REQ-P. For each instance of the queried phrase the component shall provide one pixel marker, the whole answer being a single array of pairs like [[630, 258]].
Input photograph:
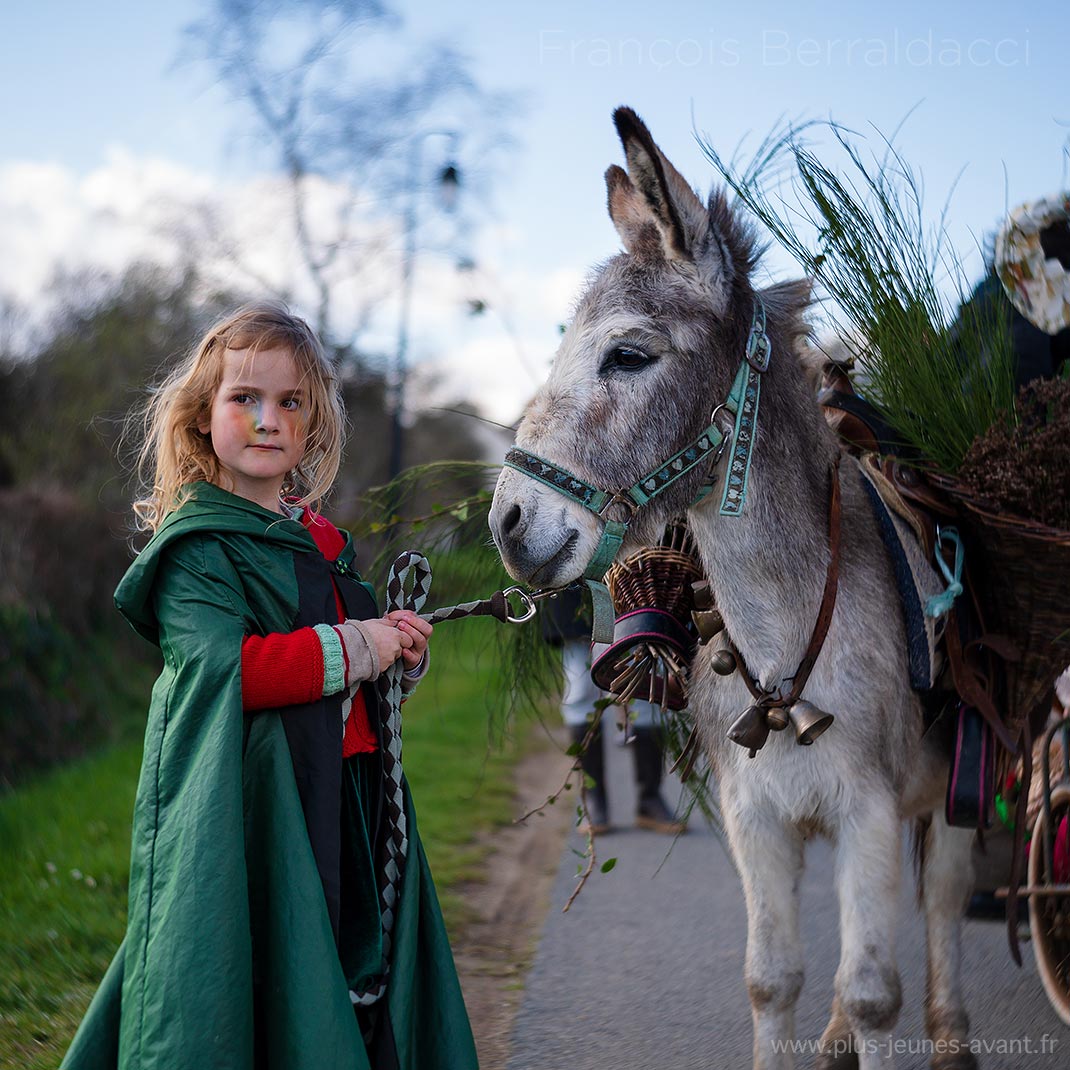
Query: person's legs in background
[[579, 712], [651, 811]]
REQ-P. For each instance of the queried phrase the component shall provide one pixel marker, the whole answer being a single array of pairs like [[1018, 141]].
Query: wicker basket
[[652, 639], [1021, 570], [655, 576]]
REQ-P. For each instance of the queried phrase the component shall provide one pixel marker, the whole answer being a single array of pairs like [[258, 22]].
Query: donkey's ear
[[677, 211], [789, 301], [631, 215], [687, 229]]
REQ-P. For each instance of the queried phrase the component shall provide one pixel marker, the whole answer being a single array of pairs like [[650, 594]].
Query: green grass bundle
[[939, 370]]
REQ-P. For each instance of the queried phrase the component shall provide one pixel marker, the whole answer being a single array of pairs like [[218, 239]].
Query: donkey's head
[[653, 347]]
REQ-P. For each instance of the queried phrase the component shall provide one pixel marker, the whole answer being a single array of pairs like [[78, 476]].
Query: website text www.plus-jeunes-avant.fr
[[1043, 1045]]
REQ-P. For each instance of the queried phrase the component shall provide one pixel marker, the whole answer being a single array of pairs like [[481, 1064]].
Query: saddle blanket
[[915, 576]]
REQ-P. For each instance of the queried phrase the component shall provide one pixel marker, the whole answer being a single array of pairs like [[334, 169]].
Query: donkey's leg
[[867, 983], [769, 854], [947, 877]]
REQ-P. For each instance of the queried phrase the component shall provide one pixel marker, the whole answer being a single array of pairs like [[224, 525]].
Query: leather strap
[[496, 606], [863, 426], [766, 699], [972, 682]]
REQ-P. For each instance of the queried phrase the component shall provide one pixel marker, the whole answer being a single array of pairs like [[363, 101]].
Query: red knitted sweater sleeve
[[281, 669], [286, 669]]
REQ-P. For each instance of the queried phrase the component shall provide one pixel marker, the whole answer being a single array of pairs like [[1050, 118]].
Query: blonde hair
[[175, 453]]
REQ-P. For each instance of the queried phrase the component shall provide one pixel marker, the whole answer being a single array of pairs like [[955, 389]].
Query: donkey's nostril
[[511, 519]]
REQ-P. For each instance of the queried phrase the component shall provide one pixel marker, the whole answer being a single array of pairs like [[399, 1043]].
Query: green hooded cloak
[[245, 827]]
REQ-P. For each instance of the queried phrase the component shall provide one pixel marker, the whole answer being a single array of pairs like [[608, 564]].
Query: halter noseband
[[742, 403]]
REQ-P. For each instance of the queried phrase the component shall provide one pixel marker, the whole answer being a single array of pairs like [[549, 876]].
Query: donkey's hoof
[[959, 1060], [837, 1049], [831, 1059]]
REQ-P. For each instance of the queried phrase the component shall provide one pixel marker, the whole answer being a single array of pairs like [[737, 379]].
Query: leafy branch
[[577, 750]]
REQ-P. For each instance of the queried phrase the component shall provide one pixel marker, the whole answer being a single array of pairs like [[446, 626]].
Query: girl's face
[[257, 422]]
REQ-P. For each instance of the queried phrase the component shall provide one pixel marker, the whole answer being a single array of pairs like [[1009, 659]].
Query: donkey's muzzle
[[510, 520]]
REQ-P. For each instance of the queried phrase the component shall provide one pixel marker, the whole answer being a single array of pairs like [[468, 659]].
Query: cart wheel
[[1049, 915]]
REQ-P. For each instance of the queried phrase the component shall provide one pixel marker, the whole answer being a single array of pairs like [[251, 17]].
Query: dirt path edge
[[496, 947]]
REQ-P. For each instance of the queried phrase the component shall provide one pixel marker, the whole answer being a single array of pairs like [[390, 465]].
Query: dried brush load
[[1022, 468], [1013, 473]]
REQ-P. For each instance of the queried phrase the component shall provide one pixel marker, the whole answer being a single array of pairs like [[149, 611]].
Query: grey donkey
[[653, 347]]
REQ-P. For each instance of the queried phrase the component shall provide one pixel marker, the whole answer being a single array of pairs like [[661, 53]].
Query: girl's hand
[[417, 629], [391, 642]]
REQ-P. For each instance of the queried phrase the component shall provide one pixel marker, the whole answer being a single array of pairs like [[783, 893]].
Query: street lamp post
[[448, 184]]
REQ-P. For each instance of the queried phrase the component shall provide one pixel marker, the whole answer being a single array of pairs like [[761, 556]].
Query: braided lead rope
[[495, 606], [396, 840], [396, 836]]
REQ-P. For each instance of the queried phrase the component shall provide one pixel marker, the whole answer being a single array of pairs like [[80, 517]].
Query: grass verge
[[65, 841]]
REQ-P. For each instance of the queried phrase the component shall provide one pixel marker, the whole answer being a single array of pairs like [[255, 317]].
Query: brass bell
[[723, 662], [708, 622], [751, 729], [809, 722], [777, 718], [702, 594]]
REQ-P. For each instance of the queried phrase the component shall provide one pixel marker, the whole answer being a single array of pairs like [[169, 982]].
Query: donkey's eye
[[626, 358]]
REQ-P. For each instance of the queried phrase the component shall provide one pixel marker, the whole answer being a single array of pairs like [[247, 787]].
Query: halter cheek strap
[[741, 403], [746, 393]]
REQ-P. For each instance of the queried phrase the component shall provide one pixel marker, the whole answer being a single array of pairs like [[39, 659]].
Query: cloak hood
[[209, 509]]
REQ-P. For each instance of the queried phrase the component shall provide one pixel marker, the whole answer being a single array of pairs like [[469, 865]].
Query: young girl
[[254, 936]]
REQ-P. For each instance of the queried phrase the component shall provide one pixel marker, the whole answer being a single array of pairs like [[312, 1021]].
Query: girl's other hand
[[391, 642], [417, 629]]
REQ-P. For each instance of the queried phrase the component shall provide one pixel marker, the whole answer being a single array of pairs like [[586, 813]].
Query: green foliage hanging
[[441, 510]]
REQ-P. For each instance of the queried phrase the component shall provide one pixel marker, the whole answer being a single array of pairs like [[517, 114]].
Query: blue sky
[[988, 80], [77, 77]]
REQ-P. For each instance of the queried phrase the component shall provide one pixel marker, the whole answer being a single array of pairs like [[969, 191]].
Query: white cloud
[[239, 235], [502, 357], [131, 209]]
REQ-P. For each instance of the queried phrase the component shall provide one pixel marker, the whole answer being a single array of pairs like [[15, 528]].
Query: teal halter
[[742, 403]]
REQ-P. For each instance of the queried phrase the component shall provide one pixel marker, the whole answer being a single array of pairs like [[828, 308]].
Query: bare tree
[[333, 94]]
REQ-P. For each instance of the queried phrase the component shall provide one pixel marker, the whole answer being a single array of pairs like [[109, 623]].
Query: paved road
[[647, 971]]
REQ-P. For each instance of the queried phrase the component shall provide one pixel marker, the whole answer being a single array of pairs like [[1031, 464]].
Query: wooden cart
[[1048, 888]]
